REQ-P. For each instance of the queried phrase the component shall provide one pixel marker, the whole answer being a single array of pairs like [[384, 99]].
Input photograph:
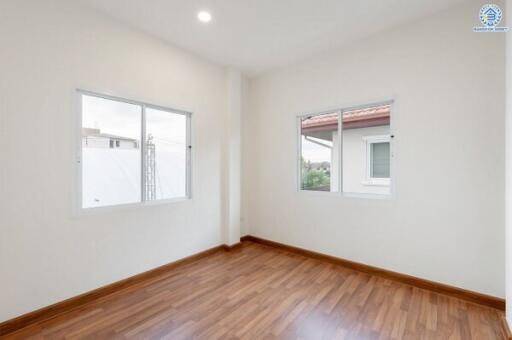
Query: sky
[[124, 119], [111, 117], [314, 152]]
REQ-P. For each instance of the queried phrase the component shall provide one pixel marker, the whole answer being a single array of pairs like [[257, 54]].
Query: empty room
[[255, 169]]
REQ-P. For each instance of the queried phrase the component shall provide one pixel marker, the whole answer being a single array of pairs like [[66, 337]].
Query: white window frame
[[390, 181], [369, 180], [78, 206], [299, 151]]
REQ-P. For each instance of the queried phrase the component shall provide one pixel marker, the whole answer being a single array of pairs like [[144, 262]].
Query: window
[[347, 150], [166, 154], [319, 159], [378, 157], [132, 152]]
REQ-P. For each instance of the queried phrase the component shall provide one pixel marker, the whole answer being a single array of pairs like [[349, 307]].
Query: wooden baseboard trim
[[506, 329], [59, 308], [232, 247], [467, 295]]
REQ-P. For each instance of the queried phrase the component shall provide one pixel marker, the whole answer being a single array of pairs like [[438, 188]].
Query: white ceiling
[[257, 35]]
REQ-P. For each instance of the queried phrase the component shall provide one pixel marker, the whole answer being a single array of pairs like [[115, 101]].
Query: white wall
[[446, 221], [508, 168], [245, 157], [233, 161], [50, 48]]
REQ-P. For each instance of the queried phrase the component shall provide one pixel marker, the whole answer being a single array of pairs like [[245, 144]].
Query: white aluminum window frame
[[78, 205], [369, 180], [340, 192]]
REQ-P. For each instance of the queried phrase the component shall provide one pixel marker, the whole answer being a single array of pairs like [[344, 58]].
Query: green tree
[[314, 179]]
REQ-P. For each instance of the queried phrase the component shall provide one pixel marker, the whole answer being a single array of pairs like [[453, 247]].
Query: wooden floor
[[257, 292]]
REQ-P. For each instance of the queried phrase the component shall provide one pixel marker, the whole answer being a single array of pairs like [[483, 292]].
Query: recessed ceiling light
[[204, 16]]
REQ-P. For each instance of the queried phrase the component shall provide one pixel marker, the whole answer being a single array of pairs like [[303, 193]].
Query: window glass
[[119, 165], [320, 152], [366, 150], [165, 154], [380, 160], [110, 175]]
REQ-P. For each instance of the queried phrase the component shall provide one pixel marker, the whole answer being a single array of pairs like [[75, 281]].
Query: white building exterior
[[356, 161], [93, 138]]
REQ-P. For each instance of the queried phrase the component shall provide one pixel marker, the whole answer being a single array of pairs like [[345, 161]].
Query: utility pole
[[150, 170]]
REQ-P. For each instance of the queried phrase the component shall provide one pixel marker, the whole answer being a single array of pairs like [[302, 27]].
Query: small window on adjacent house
[[378, 160], [119, 165], [349, 150]]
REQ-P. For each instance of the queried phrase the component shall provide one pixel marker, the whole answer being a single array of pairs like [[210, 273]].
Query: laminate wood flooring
[[258, 292]]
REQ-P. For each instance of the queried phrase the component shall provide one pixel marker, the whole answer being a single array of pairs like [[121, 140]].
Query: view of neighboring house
[[111, 168], [365, 151], [94, 138]]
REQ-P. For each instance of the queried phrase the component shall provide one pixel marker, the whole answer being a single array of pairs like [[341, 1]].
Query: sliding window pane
[[320, 153], [165, 155], [111, 158], [366, 150]]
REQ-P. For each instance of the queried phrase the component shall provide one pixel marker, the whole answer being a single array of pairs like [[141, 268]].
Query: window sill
[[126, 207], [346, 194], [377, 182], [368, 196]]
